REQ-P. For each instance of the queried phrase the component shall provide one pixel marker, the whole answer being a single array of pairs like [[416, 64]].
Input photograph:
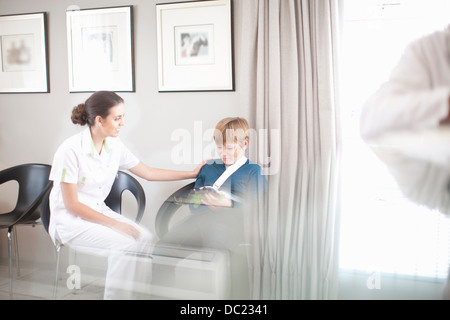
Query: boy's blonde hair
[[232, 130]]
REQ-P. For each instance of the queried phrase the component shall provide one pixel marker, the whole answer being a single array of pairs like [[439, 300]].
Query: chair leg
[[16, 248], [55, 288], [10, 264]]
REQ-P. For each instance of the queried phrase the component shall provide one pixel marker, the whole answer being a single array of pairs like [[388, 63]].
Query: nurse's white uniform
[[77, 162]]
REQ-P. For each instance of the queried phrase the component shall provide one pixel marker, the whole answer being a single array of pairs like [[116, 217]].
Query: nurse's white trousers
[[129, 260]]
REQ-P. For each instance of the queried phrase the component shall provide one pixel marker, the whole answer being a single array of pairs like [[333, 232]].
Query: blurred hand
[[447, 119], [127, 229]]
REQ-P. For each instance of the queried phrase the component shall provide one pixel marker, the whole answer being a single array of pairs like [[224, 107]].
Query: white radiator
[[189, 273]]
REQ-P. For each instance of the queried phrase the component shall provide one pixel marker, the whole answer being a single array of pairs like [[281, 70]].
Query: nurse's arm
[[156, 174], [70, 196]]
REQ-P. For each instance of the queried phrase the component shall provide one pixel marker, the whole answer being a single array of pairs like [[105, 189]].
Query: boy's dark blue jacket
[[247, 181]]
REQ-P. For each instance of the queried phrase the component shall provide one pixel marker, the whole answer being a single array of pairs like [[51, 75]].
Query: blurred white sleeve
[[416, 95]]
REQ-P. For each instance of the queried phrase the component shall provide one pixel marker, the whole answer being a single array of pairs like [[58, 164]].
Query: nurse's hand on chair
[[199, 167]]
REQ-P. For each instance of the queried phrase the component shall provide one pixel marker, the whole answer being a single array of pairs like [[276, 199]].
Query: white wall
[[33, 125]]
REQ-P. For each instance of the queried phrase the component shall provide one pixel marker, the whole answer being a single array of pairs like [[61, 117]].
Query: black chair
[[123, 182], [33, 185], [169, 207], [194, 233]]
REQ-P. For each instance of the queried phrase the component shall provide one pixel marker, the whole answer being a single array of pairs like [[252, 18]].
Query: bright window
[[380, 229]]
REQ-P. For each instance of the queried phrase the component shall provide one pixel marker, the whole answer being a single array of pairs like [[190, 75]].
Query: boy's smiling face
[[231, 152]]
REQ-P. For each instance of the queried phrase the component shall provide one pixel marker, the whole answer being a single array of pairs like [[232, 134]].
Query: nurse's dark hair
[[98, 104]]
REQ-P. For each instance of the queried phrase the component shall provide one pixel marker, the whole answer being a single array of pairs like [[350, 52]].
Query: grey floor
[[37, 283]]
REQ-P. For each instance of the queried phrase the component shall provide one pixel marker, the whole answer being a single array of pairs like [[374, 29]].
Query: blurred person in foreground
[[416, 97]]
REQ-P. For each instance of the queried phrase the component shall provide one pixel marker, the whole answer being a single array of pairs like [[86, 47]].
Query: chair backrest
[[45, 208], [169, 207], [33, 180], [123, 182]]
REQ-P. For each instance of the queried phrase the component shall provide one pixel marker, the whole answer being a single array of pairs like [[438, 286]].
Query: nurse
[[83, 172]]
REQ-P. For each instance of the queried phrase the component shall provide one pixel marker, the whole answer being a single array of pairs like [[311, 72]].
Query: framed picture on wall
[[100, 49], [23, 53], [195, 46]]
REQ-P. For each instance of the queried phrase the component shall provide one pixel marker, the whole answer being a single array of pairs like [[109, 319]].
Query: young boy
[[231, 179], [230, 185]]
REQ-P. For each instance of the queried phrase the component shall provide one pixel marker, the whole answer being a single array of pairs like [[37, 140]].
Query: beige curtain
[[286, 50]]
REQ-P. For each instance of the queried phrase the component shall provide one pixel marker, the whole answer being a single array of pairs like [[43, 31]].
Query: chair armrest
[[5, 175], [168, 209], [36, 204]]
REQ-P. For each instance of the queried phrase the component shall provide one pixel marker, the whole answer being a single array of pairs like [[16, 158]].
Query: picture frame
[[23, 53], [195, 46], [100, 49]]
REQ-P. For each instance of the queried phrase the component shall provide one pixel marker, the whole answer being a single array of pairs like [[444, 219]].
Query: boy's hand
[[216, 199]]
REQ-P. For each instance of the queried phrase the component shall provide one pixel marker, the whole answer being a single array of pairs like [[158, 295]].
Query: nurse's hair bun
[[79, 114], [98, 104]]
